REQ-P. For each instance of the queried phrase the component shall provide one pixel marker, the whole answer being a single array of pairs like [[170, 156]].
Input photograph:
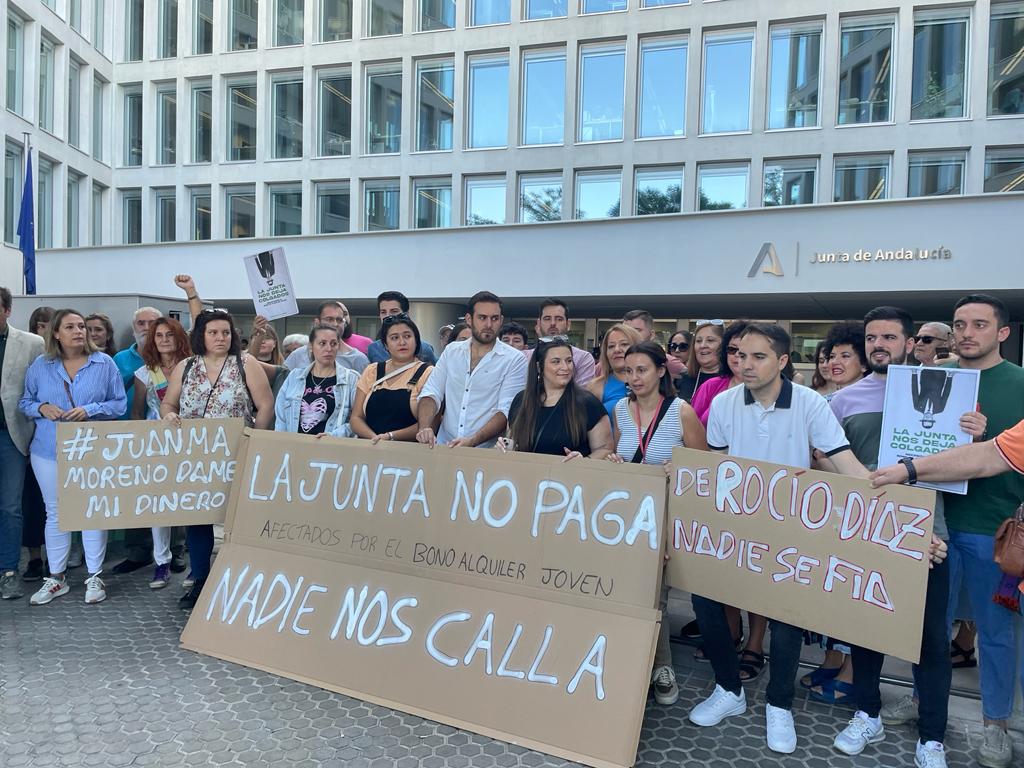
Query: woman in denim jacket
[[318, 398]]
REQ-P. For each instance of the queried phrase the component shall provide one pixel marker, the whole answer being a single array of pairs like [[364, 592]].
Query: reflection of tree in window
[[544, 204]]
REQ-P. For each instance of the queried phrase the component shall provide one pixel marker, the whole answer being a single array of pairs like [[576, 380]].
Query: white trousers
[[162, 545], [58, 542]]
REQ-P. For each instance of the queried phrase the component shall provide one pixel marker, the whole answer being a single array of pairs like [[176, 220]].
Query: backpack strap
[[418, 375], [381, 369]]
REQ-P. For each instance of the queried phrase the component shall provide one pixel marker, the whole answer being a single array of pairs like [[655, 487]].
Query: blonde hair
[[630, 333], [54, 351]]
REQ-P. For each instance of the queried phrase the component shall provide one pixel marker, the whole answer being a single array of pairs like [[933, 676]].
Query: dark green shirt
[[991, 500]]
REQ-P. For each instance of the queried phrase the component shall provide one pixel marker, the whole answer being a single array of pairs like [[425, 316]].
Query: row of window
[[864, 92], [77, 13]]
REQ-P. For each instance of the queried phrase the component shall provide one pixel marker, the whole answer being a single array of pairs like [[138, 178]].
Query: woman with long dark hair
[[821, 381], [704, 362], [553, 414]]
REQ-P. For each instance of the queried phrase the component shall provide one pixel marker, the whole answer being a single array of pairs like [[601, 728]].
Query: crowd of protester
[[725, 386]]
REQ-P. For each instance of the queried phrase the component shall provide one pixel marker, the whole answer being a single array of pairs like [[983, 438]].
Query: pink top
[[359, 342], [706, 393]]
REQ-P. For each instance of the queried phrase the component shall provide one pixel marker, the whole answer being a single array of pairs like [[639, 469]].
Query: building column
[[429, 316]]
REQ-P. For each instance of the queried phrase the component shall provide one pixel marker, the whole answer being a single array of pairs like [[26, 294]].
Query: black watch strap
[[908, 462]]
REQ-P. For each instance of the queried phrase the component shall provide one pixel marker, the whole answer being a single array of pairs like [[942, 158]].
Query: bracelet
[[193, 297], [908, 462], [391, 436]]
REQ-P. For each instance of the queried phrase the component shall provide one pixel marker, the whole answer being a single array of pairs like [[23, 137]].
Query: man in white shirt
[[767, 419], [553, 320], [476, 380]]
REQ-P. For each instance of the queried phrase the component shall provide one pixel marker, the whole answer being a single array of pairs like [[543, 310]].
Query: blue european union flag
[[27, 231]]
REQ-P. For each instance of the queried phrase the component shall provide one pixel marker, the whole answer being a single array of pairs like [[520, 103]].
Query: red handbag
[[1009, 545]]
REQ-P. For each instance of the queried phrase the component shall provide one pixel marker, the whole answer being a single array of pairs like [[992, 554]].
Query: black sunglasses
[[678, 347], [924, 339], [401, 317]]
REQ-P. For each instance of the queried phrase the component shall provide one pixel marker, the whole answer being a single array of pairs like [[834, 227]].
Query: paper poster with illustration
[[271, 284], [922, 414]]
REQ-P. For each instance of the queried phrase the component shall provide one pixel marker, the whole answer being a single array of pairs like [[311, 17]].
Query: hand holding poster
[[139, 474], [922, 414], [813, 549], [271, 284]]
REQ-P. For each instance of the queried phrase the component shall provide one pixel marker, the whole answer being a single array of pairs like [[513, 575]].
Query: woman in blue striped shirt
[[71, 381]]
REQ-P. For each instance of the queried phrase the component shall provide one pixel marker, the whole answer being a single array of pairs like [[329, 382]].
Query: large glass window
[[201, 216], [936, 173], [47, 64], [793, 79], [134, 29], [489, 12], [167, 29], [288, 21], [543, 103], [790, 182], [488, 102], [99, 28], [133, 126], [435, 100], [437, 14], [544, 9], [433, 203], [240, 204], [658, 190], [865, 70], [540, 198], [202, 122], [662, 88], [131, 216], [96, 220], [243, 16], [939, 83], [598, 194], [660, 3], [333, 203], [285, 210], [335, 107], [485, 200], [74, 103], [15, 62], [380, 205], [287, 96], [861, 178], [1006, 59], [1004, 170], [722, 187], [603, 73], [167, 125], [335, 20], [202, 26], [14, 181], [242, 121], [73, 211], [75, 14], [602, 6], [99, 118], [727, 63], [166, 215], [384, 18], [383, 110]]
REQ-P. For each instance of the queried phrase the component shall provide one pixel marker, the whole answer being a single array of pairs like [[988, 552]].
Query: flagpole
[[28, 160]]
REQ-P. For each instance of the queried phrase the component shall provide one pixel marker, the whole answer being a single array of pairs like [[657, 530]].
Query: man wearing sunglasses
[[394, 303], [933, 343], [553, 321]]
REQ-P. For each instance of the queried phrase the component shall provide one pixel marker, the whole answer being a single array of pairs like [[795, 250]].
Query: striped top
[[667, 436]]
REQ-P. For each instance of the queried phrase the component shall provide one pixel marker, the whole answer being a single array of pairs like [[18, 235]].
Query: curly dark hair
[[847, 332]]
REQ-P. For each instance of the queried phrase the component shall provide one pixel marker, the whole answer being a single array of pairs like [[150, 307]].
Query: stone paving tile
[[118, 691]]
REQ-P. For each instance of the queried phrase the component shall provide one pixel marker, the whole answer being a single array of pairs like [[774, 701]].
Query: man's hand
[[469, 441], [427, 437], [186, 284], [895, 474], [937, 551], [974, 423]]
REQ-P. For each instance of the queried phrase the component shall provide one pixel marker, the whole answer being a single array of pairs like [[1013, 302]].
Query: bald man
[[929, 340]]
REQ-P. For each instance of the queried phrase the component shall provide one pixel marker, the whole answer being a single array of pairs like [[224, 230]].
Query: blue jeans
[[971, 562], [12, 479], [199, 540]]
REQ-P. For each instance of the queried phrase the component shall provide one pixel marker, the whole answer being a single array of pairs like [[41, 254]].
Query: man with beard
[[552, 321], [476, 380], [888, 340]]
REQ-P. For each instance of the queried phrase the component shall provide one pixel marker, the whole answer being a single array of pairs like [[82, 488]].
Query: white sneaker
[[930, 755], [899, 712], [781, 731], [51, 588], [718, 706], [996, 751], [861, 731], [95, 591], [666, 692]]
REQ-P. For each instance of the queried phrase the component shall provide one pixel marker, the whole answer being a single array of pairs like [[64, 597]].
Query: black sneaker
[[130, 566], [188, 601], [34, 571], [178, 562]]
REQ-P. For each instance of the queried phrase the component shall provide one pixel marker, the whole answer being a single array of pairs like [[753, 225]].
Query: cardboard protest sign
[[814, 549], [512, 595], [139, 474], [271, 284], [922, 414]]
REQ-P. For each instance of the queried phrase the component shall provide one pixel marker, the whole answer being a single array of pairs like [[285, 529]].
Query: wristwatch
[[908, 462]]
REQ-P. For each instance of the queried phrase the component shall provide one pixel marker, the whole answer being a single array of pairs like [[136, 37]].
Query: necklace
[[318, 386]]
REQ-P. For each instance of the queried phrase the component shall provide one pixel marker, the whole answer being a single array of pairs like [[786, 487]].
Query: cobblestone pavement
[[107, 685]]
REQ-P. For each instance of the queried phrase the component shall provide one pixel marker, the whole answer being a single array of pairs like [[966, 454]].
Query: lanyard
[[651, 428]]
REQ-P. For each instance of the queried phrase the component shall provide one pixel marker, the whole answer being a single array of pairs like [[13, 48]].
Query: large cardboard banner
[[814, 549], [922, 414], [138, 474], [512, 595]]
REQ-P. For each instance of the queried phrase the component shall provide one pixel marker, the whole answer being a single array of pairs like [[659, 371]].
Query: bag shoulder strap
[[418, 375], [638, 457], [381, 369]]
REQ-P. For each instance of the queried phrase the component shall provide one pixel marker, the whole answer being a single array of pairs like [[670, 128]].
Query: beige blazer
[[22, 349]]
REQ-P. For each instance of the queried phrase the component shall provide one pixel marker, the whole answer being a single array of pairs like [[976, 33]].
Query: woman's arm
[[601, 439], [694, 434], [172, 397], [139, 400], [259, 391], [114, 400], [358, 421]]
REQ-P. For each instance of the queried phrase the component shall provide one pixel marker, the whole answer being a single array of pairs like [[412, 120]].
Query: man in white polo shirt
[[767, 419]]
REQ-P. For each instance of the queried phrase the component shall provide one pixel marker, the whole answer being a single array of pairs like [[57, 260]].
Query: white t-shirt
[[784, 433]]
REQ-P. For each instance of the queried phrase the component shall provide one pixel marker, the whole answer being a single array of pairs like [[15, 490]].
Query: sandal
[[690, 632], [968, 661], [699, 653], [819, 677], [751, 664], [835, 693]]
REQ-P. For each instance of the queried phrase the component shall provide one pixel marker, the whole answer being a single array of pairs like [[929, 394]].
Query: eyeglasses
[[710, 322], [924, 339], [732, 350], [553, 339], [680, 347], [401, 317]]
